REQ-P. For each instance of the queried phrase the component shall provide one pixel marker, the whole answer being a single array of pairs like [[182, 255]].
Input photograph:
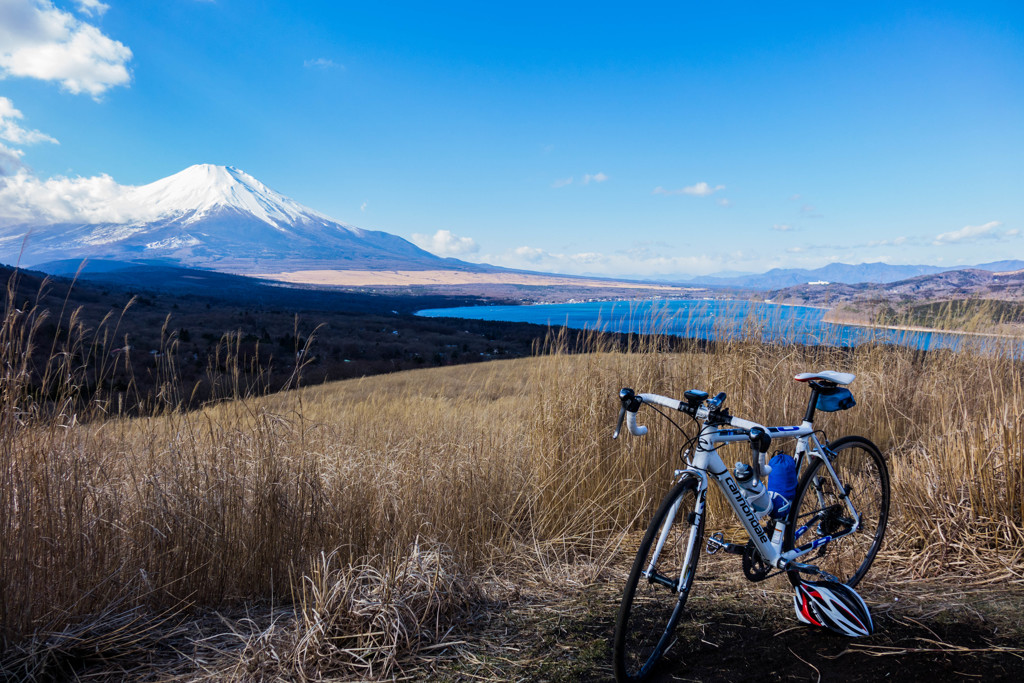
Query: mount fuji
[[215, 217]]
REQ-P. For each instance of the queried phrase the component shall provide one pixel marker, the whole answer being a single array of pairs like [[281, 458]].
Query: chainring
[[754, 566]]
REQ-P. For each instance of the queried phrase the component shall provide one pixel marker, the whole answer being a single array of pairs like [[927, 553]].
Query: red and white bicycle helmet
[[834, 606]]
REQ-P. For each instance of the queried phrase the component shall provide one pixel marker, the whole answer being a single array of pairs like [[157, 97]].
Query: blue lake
[[705, 319]]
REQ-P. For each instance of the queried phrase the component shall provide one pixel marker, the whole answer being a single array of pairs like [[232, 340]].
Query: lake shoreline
[[849, 322]]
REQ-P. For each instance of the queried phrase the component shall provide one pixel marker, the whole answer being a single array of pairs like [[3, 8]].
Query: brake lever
[[618, 425]]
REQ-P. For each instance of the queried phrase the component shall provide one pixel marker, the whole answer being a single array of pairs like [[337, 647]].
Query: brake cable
[[690, 440]]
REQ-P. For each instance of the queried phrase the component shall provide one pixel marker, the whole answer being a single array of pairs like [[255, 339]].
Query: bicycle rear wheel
[[651, 605], [819, 510]]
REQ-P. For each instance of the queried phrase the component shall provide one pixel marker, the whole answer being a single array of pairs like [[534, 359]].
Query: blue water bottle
[[781, 484]]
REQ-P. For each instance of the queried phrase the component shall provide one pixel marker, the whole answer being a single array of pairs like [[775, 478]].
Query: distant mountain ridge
[[995, 283], [221, 218], [877, 273], [215, 217]]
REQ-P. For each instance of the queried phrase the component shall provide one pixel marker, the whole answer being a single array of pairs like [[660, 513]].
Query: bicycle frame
[[705, 461]]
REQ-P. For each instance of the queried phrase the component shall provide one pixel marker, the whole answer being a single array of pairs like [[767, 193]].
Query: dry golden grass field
[[476, 522]]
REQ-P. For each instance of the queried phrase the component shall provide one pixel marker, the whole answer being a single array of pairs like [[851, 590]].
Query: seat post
[[811, 404]]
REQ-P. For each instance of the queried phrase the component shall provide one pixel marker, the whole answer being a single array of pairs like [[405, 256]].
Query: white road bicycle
[[833, 529]]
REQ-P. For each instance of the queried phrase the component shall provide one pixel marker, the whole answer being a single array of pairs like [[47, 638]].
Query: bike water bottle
[[754, 492], [781, 484]]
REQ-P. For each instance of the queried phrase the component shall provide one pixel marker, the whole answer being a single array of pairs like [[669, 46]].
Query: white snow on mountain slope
[[191, 194], [204, 188], [205, 216]]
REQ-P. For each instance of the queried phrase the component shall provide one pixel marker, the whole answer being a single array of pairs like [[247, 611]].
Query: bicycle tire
[[819, 510], [649, 611]]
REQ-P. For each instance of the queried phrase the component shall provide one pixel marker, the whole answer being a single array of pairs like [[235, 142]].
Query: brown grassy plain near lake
[[368, 528], [402, 278]]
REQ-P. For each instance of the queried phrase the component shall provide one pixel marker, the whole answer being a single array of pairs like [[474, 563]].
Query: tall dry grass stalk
[[317, 495]]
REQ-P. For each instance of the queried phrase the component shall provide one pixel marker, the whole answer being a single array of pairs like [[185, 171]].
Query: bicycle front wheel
[[658, 584], [820, 513]]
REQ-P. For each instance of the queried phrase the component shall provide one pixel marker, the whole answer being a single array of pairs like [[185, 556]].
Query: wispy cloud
[[446, 243], [894, 242], [362, 207], [12, 132], [970, 233], [38, 40], [10, 161], [637, 260], [322, 63], [586, 179], [92, 7], [782, 227], [701, 189], [529, 254]]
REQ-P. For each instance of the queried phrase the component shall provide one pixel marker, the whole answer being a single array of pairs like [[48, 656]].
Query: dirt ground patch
[[934, 630], [559, 628]]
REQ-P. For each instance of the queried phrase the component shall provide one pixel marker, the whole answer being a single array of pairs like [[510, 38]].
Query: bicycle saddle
[[828, 375]]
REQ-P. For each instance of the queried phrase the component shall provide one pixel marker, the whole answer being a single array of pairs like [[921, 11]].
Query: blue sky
[[654, 139]]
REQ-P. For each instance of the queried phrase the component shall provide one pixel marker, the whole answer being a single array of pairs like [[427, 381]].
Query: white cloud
[[322, 63], [894, 242], [14, 133], [724, 202], [530, 254], [969, 233], [11, 131], [638, 261], [10, 161], [25, 198], [93, 7], [362, 207], [587, 178], [37, 40], [446, 243], [781, 227], [701, 189]]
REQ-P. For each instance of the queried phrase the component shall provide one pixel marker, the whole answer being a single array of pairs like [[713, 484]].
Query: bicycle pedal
[[716, 542]]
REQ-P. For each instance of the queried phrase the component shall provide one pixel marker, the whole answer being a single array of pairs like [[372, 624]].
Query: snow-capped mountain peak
[[202, 189], [207, 216]]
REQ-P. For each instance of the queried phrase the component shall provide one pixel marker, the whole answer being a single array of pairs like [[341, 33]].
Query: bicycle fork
[[693, 521]]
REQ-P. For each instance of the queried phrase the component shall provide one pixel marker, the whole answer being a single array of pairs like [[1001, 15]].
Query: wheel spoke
[[822, 509], [651, 603]]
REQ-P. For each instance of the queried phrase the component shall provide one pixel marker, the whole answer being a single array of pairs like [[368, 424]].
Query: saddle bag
[[835, 398]]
